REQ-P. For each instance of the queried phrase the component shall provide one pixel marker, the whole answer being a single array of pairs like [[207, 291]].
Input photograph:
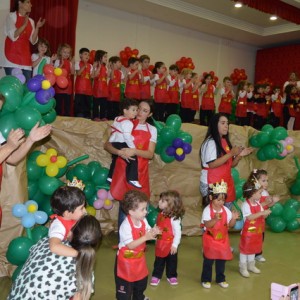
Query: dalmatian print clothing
[[45, 276]]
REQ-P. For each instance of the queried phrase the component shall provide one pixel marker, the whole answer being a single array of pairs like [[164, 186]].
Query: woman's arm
[[40, 23], [223, 159]]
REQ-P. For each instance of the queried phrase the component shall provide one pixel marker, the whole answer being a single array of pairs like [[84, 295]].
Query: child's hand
[[173, 250], [53, 57], [150, 235], [266, 212], [275, 198], [235, 215], [156, 230]]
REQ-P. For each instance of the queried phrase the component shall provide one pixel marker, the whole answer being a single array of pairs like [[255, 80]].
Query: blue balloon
[[28, 220], [39, 77], [40, 217], [187, 148], [52, 91], [29, 202], [43, 96], [171, 151], [179, 157], [238, 225], [34, 85], [177, 143], [19, 210]]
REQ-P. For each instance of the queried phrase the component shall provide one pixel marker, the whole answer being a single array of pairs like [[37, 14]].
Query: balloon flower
[[104, 200], [185, 62], [237, 75], [179, 149], [56, 76], [126, 53]]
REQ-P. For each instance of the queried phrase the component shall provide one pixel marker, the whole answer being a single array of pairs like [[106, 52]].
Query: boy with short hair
[[134, 77]]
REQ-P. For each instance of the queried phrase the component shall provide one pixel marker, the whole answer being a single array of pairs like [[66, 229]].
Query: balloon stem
[[28, 233], [78, 159], [238, 209], [297, 216], [297, 163]]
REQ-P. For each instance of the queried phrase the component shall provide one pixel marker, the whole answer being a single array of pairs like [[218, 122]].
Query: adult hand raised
[[40, 23], [38, 133]]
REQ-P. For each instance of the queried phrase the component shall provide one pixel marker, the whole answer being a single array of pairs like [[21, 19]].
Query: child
[[254, 222], [261, 108], [100, 88], [241, 105], [63, 96], [250, 105], [186, 95], [276, 107], [114, 87], [290, 94], [216, 219], [145, 84], [131, 273], [173, 90], [166, 248], [161, 96], [121, 138], [43, 52], [265, 200], [227, 95], [195, 95], [83, 85], [134, 78], [68, 204]]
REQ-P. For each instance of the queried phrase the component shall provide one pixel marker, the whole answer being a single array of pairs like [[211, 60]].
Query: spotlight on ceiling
[[273, 18], [238, 5]]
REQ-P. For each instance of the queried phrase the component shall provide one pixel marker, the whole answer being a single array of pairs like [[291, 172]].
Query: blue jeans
[[26, 73]]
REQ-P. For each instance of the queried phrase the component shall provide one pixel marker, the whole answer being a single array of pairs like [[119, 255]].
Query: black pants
[[250, 117], [259, 122], [63, 104], [286, 116], [82, 106], [113, 109], [206, 275], [100, 108], [170, 262], [171, 109], [131, 165], [205, 116], [160, 112], [274, 121], [187, 115], [129, 290], [241, 121]]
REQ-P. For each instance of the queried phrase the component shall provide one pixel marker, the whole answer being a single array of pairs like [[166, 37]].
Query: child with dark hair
[[173, 90], [68, 204], [216, 219], [134, 78], [276, 107], [131, 273], [227, 95], [145, 85], [121, 137], [254, 223], [166, 248]]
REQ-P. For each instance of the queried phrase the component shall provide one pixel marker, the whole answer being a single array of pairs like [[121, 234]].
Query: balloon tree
[[237, 75], [185, 62], [213, 76], [273, 143], [172, 143]]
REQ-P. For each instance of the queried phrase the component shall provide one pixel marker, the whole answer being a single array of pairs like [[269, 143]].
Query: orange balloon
[[62, 82], [48, 69], [51, 78]]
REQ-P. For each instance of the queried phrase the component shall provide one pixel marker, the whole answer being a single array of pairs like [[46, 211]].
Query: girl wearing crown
[[216, 220], [254, 223]]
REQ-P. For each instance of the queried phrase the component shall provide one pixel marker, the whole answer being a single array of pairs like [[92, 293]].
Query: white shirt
[[176, 226], [246, 211], [34, 57], [208, 154], [206, 214], [57, 230]]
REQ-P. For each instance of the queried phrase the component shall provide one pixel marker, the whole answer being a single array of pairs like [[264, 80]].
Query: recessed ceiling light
[[238, 5], [273, 18]]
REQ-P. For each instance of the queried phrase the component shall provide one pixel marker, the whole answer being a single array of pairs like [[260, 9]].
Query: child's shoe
[[223, 284], [146, 298], [154, 281], [260, 258], [135, 183], [252, 268], [173, 280], [206, 285], [243, 270]]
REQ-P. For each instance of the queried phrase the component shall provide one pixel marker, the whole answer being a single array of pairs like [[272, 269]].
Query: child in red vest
[[227, 95], [216, 219], [131, 272], [276, 107], [166, 248], [83, 85], [134, 78], [145, 85], [186, 95], [173, 90], [241, 104], [254, 223]]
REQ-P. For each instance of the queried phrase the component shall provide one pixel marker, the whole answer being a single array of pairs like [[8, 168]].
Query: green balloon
[[18, 250], [151, 208], [92, 199], [262, 139], [38, 233], [267, 128], [50, 116], [46, 207], [185, 136], [32, 188], [82, 172], [277, 209], [89, 189], [269, 219], [40, 198], [34, 172], [292, 225], [165, 157], [238, 192], [27, 117], [12, 91], [48, 185], [42, 108], [93, 166], [34, 154], [235, 175], [151, 218], [159, 144], [100, 176], [270, 151], [278, 224], [261, 155], [254, 142], [16, 273], [70, 174], [174, 121], [288, 214], [159, 125], [13, 82], [104, 186], [167, 134], [7, 123], [62, 172], [293, 203], [295, 188], [28, 98], [279, 133]]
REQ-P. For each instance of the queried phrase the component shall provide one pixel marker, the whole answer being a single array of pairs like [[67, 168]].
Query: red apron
[[186, 96], [174, 91], [114, 87], [164, 241], [216, 240], [277, 107], [100, 88], [241, 107], [132, 89], [83, 83], [18, 52], [251, 238], [145, 90], [69, 89], [195, 100], [161, 92], [208, 100], [68, 224], [119, 185], [225, 105], [261, 108], [1, 173], [131, 264], [223, 172]]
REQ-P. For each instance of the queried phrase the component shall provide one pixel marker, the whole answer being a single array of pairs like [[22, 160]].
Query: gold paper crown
[[219, 188], [76, 183], [257, 185]]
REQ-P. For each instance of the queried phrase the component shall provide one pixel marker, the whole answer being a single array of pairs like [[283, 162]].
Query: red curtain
[[277, 63], [275, 7]]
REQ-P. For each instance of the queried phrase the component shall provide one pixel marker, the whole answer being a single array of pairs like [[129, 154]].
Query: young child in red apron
[[173, 91], [145, 84], [276, 107], [227, 95], [241, 104], [134, 78], [216, 219], [166, 248], [131, 272], [254, 223]]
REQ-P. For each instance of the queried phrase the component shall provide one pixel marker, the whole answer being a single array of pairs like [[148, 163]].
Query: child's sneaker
[[135, 183], [223, 284], [173, 280], [260, 258], [206, 285], [154, 281]]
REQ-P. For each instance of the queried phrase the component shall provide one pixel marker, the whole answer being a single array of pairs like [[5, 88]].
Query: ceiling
[[216, 17]]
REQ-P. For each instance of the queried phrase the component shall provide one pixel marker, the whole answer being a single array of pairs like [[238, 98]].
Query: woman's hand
[[127, 153], [40, 23], [235, 151], [246, 151], [15, 138], [38, 133]]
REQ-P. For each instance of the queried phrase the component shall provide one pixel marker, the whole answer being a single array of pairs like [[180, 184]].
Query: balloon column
[[284, 217], [185, 62], [172, 143], [237, 75], [274, 143], [126, 53]]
